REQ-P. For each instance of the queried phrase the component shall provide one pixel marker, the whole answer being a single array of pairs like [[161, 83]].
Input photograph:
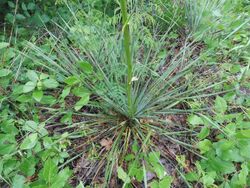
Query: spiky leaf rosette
[[162, 84]]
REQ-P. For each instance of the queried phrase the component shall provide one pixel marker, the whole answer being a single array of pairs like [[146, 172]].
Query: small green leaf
[[18, 181], [208, 180], [11, 4], [30, 126], [7, 148], [246, 133], [154, 160], [205, 146], [24, 7], [4, 72], [50, 83], [139, 174], [135, 147], [37, 95], [123, 175], [80, 91], [204, 133], [9, 54], [49, 171], [65, 92], [80, 185], [34, 127], [192, 176], [221, 166], [62, 178], [244, 148], [31, 6], [32, 76], [181, 159], [67, 118], [154, 157], [129, 157], [28, 87], [227, 151], [195, 120], [48, 99], [86, 67], [72, 80], [243, 174], [20, 17], [83, 101], [43, 76], [23, 98], [4, 45], [28, 166], [235, 69], [8, 127], [29, 142], [166, 182], [220, 105], [39, 85], [154, 184], [159, 170]]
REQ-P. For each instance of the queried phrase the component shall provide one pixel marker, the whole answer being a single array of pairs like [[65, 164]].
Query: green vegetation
[[125, 93]]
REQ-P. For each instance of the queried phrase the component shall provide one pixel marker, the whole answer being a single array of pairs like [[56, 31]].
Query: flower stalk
[[128, 55]]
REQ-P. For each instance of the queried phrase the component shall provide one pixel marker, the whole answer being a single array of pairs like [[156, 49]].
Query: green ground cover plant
[[126, 94]]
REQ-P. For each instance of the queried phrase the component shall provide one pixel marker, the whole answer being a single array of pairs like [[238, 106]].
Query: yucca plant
[[135, 90]]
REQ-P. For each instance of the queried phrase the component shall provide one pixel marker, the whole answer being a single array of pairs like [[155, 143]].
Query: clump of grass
[[202, 15], [134, 87]]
